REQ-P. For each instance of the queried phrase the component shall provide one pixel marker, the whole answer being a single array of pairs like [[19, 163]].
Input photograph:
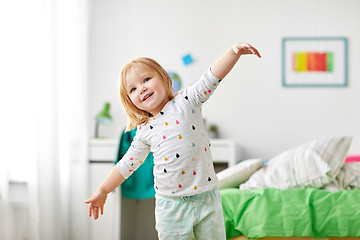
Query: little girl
[[188, 201]]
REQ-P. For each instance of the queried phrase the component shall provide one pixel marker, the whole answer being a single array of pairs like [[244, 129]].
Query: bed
[[308, 192]]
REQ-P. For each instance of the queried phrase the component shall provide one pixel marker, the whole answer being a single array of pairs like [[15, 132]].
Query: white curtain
[[7, 221], [44, 97]]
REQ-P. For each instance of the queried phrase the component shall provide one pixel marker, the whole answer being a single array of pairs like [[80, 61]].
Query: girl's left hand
[[245, 48]]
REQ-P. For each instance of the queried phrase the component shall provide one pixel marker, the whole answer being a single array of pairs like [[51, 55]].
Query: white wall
[[260, 114]]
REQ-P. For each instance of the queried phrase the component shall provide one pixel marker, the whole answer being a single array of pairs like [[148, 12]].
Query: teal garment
[[140, 185]]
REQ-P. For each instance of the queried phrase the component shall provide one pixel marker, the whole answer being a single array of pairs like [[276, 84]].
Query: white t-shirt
[[180, 144]]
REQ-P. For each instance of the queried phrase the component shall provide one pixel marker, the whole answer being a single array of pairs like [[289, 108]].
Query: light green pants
[[182, 218]]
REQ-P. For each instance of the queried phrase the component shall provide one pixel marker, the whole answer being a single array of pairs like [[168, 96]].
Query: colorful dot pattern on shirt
[[182, 160]]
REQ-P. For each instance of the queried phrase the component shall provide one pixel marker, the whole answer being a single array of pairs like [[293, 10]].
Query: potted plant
[[213, 131]]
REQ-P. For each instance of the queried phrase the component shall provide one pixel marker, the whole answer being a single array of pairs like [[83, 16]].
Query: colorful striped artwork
[[313, 61]]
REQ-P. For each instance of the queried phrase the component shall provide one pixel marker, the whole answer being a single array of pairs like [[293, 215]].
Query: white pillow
[[314, 164], [349, 176], [233, 176]]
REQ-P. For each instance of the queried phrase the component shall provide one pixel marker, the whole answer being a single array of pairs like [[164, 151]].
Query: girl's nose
[[143, 89]]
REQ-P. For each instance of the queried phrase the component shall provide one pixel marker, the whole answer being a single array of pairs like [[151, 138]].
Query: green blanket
[[293, 212]]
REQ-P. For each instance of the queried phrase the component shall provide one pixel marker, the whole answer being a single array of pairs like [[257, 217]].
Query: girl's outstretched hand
[[96, 203], [245, 48]]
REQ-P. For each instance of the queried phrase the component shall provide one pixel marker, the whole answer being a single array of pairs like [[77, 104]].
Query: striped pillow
[[314, 164], [349, 176]]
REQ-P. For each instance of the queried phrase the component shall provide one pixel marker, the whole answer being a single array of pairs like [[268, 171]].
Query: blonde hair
[[135, 115]]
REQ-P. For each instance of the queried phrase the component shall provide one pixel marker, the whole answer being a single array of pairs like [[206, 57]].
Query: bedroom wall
[[261, 115]]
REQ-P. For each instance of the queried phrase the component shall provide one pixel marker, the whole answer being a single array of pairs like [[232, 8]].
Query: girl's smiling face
[[145, 90]]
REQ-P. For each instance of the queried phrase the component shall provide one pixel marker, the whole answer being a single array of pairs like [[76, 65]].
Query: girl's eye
[[132, 90], [146, 79]]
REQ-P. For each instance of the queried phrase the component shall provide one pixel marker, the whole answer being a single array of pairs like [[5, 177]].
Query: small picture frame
[[314, 62]]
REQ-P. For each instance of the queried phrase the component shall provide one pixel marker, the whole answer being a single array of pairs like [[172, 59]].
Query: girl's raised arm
[[226, 62]]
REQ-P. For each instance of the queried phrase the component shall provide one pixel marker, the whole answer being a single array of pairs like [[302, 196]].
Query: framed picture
[[314, 62]]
